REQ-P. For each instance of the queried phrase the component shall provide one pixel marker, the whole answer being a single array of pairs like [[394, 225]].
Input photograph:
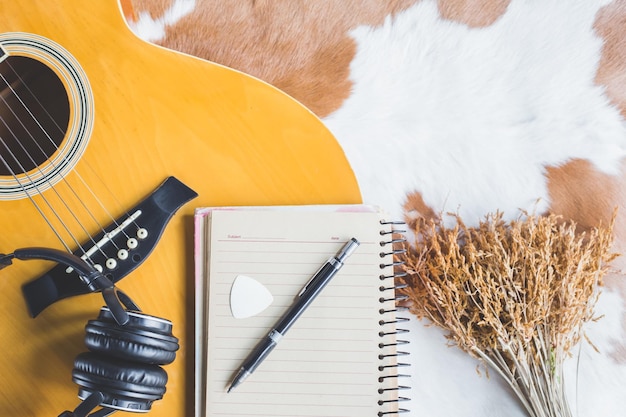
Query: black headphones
[[122, 369]]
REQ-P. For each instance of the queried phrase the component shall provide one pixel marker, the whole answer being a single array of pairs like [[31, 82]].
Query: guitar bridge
[[150, 216]]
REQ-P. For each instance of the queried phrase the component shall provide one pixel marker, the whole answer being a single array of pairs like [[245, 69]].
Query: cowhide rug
[[467, 106]]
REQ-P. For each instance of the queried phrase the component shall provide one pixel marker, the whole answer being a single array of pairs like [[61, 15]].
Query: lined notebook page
[[328, 363]]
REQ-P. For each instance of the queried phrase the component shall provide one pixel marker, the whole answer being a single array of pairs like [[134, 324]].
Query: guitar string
[[32, 160], [29, 196], [77, 174], [49, 137], [20, 183], [114, 221], [85, 164]]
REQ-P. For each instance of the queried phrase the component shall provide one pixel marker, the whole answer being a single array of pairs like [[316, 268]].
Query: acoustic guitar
[[107, 144]]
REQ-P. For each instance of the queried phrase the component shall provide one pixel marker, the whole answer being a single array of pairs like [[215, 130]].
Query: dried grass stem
[[514, 294]]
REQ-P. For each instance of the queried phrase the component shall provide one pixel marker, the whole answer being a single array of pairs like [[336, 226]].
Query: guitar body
[[135, 114]]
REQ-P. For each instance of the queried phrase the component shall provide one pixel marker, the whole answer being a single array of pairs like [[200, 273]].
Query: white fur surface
[[470, 118], [601, 381], [153, 30]]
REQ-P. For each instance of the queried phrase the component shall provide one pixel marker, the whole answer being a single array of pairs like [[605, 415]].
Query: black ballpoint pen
[[306, 296]]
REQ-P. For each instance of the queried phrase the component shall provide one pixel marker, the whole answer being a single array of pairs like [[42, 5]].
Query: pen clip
[[335, 262], [331, 261]]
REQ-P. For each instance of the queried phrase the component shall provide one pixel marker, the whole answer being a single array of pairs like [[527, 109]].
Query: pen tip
[[232, 386]]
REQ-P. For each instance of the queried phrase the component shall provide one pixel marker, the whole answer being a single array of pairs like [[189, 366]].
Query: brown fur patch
[[611, 26], [581, 193], [473, 13], [155, 8], [578, 191], [304, 50]]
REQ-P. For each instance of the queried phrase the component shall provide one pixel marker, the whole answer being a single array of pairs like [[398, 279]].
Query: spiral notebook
[[342, 358]]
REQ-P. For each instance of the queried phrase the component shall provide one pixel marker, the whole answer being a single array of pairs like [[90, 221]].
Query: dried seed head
[[514, 294]]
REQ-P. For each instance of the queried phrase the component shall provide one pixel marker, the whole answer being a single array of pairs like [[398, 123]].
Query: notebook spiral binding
[[391, 365]]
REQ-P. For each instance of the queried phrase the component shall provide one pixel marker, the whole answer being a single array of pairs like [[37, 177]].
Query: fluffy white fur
[[470, 118]]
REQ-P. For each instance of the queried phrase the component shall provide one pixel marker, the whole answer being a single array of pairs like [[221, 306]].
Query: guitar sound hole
[[34, 114]]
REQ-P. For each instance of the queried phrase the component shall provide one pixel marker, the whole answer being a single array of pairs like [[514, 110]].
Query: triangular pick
[[248, 297]]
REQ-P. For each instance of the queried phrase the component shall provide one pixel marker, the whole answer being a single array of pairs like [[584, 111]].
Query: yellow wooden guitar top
[[145, 114]]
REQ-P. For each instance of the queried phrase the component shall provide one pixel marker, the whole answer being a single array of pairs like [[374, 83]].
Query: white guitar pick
[[248, 297]]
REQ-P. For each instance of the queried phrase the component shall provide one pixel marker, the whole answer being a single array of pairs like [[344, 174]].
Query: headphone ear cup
[[145, 338], [127, 386]]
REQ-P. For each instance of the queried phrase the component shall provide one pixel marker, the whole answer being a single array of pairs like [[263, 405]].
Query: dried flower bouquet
[[513, 294]]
